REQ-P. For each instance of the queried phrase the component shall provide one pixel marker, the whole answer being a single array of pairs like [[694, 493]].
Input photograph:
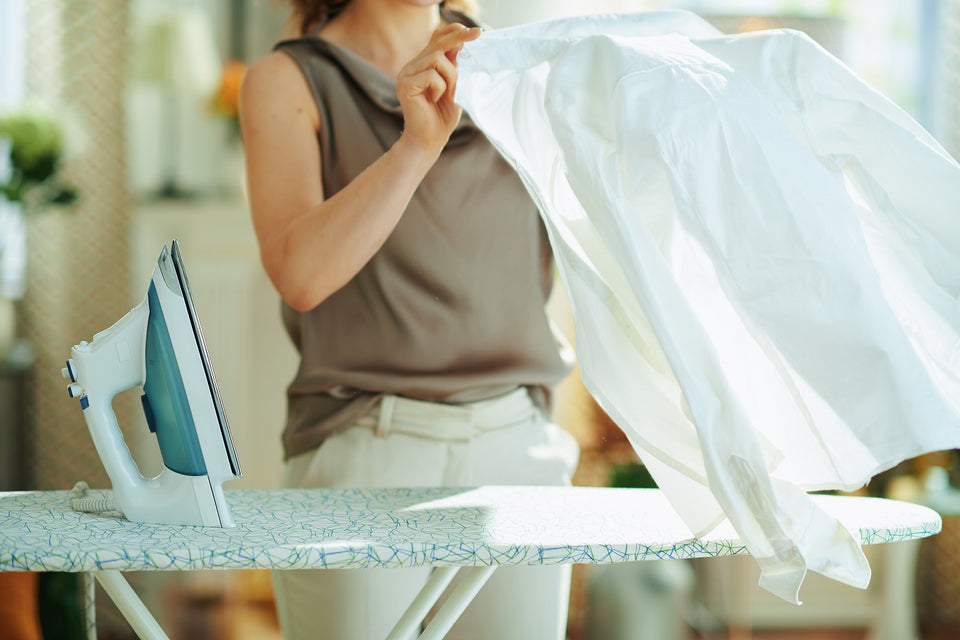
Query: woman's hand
[[425, 88]]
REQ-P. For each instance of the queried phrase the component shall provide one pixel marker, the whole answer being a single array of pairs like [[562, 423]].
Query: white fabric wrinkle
[[762, 256], [817, 103]]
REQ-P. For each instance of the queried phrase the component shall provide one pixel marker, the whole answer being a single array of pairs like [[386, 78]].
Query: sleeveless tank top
[[451, 308]]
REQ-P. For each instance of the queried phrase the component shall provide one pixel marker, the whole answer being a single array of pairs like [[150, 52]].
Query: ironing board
[[473, 530]]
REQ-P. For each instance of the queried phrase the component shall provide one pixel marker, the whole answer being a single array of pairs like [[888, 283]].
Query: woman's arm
[[311, 246]]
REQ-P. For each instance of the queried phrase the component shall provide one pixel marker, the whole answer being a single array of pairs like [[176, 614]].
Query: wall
[[945, 106]]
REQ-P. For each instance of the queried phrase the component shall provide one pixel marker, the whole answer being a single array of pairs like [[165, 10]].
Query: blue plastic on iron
[[148, 413], [166, 398]]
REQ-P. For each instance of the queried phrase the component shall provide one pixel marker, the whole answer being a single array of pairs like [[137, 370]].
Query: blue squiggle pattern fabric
[[366, 528]]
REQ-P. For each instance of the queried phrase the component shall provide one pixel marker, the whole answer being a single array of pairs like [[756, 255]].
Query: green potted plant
[[34, 142], [36, 147]]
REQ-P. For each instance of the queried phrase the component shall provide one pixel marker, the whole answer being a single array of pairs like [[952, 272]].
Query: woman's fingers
[[441, 54], [426, 86], [446, 43], [439, 63], [449, 35], [428, 83], [450, 40]]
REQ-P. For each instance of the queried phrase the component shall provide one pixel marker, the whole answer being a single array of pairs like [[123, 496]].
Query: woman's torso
[[451, 308]]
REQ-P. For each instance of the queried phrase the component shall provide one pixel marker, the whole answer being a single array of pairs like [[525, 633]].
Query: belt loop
[[473, 429], [386, 415]]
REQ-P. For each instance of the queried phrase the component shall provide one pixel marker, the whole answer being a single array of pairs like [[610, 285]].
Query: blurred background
[[127, 110]]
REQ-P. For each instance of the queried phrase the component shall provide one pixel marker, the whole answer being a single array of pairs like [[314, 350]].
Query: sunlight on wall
[[945, 106]]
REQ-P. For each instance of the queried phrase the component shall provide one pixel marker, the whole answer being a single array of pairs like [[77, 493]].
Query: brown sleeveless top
[[451, 309]]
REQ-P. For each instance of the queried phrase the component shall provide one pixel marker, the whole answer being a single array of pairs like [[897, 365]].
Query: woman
[[414, 271]]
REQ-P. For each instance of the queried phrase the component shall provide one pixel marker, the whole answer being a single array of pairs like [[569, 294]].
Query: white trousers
[[408, 443]]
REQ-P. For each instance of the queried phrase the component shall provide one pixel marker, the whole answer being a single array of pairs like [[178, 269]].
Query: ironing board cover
[[368, 528]]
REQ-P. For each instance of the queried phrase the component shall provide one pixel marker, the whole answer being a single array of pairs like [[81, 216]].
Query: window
[[12, 63]]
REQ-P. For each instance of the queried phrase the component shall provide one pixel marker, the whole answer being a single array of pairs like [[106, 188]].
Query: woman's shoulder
[[306, 50], [275, 81], [277, 61], [295, 61], [306, 58], [273, 72]]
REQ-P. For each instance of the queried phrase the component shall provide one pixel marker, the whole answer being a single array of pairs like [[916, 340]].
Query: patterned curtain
[[78, 258]]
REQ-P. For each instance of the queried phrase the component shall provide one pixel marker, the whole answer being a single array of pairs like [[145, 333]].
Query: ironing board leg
[[454, 605], [420, 606], [130, 605], [90, 604]]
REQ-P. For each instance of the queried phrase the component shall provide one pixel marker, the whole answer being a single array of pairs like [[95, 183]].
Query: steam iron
[[159, 345]]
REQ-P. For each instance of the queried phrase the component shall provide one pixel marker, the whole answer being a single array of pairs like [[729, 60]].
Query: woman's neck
[[385, 33]]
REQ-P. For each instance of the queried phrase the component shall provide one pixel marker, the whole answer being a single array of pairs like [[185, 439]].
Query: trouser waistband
[[441, 421]]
